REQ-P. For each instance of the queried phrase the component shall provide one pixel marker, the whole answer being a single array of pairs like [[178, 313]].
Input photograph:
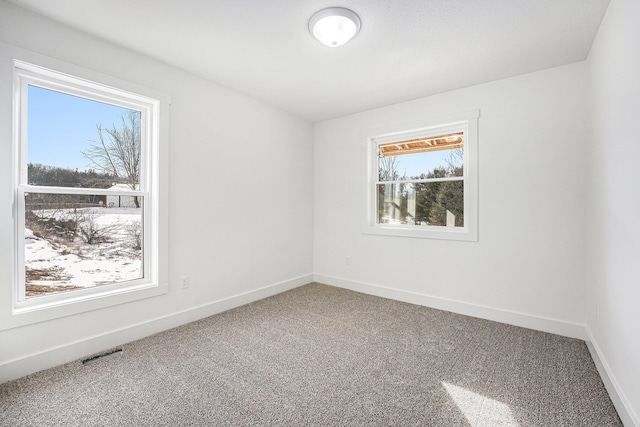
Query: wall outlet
[[184, 282], [347, 260]]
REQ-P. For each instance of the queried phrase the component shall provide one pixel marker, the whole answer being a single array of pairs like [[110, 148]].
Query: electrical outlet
[[184, 282], [347, 261]]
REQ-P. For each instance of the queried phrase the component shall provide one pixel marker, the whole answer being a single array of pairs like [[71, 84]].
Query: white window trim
[[154, 107], [466, 121]]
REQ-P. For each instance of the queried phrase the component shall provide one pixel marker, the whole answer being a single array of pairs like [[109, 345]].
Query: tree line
[[54, 176], [432, 199]]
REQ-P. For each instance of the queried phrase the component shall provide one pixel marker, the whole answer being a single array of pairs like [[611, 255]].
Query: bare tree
[[118, 152], [455, 161], [388, 168]]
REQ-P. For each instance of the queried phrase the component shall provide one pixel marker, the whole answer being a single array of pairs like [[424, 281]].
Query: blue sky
[[61, 126], [412, 165]]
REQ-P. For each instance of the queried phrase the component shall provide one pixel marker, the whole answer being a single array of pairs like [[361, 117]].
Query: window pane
[[430, 164], [77, 241], [423, 204], [78, 142]]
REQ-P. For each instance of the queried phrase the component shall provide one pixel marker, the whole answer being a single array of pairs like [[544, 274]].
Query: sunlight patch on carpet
[[471, 404]]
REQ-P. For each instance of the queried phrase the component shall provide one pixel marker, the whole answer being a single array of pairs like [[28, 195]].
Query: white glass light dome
[[334, 26]]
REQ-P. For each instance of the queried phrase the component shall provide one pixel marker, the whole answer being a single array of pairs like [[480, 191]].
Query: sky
[[412, 165], [61, 126]]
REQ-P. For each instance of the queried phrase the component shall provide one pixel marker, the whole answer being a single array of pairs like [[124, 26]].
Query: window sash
[[81, 191], [29, 75], [23, 302]]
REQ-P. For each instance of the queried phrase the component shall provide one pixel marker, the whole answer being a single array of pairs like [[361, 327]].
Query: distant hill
[[39, 174]]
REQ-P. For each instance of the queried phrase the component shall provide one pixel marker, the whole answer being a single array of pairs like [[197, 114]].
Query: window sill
[[48, 310], [441, 233]]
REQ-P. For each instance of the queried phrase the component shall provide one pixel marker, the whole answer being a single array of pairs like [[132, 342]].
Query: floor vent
[[101, 357]]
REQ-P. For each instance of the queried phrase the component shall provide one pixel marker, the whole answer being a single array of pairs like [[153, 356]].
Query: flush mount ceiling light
[[334, 26]]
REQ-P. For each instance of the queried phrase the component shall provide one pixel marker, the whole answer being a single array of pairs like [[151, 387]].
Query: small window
[[86, 188], [422, 182]]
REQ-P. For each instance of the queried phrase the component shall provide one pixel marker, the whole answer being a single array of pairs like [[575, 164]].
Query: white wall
[[613, 201], [240, 216], [528, 267]]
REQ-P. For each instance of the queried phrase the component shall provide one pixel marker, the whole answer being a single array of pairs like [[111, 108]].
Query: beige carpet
[[323, 356]]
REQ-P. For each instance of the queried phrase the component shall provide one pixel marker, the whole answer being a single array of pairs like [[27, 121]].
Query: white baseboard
[[620, 401], [545, 324], [17, 368]]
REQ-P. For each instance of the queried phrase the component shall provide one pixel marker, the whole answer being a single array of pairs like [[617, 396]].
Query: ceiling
[[406, 49]]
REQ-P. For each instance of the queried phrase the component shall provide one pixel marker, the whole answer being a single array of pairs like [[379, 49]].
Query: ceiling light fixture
[[334, 26]]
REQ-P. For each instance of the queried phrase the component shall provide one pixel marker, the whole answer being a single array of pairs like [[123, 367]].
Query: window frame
[[466, 122], [92, 86]]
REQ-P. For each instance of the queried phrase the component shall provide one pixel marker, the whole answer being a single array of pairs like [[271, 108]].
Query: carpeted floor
[[323, 356]]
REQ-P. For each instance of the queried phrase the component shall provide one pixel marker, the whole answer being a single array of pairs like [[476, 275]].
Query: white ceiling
[[406, 49]]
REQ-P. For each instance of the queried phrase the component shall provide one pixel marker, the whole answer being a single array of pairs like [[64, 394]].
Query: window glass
[[79, 142], [76, 242], [422, 181], [79, 241], [422, 203]]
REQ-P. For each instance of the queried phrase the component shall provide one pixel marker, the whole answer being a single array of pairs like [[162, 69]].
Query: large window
[[87, 209], [422, 181]]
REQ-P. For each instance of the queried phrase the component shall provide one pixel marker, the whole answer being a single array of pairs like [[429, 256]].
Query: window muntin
[[423, 179], [95, 244]]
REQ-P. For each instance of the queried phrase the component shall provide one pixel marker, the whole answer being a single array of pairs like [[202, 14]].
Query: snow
[[82, 265]]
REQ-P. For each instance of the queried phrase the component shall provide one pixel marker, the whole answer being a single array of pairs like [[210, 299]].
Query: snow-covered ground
[[54, 265]]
